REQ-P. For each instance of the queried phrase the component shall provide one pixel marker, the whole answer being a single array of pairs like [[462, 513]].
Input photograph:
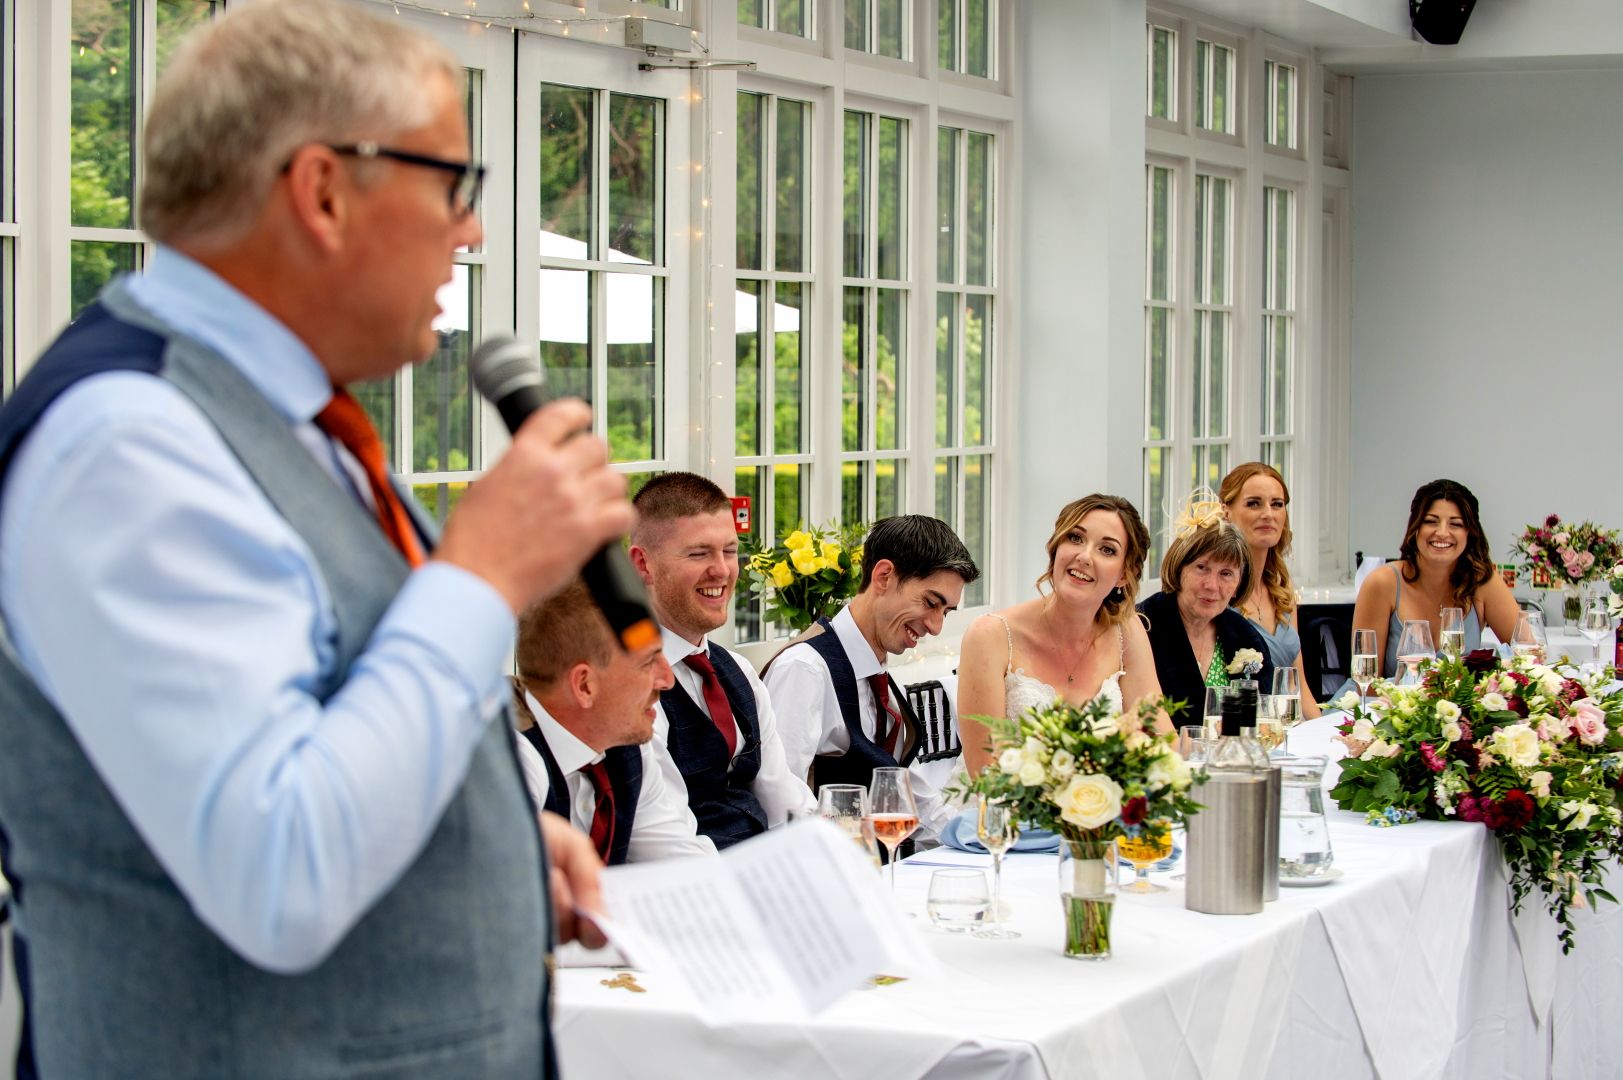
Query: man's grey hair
[[242, 94]]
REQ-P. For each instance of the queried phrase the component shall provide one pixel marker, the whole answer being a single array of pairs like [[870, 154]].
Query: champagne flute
[[895, 814], [1365, 662], [1414, 648], [998, 829], [1287, 702], [1451, 633], [1213, 716], [1152, 844], [1595, 625]]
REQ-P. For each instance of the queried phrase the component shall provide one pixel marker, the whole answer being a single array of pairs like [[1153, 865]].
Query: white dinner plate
[[1333, 874]]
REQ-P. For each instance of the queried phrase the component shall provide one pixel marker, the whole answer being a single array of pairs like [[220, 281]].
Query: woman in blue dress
[[1256, 500]]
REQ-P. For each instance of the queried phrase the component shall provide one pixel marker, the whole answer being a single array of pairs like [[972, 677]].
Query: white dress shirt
[[778, 789], [809, 717], [663, 827]]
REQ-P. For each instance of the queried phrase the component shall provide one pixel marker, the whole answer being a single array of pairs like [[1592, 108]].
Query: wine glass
[[1365, 662], [1213, 716], [998, 829], [846, 805], [1270, 729], [1528, 638], [1596, 626], [1152, 844], [1414, 647], [1451, 633], [1288, 700], [894, 813]]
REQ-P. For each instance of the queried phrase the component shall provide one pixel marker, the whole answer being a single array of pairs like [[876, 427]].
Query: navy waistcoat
[[720, 787]]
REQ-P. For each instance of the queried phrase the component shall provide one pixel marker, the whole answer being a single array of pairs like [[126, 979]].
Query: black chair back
[[938, 732], [1326, 646]]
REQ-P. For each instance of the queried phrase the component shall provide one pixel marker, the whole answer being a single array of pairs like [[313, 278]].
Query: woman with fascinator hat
[[1076, 641], [1195, 631]]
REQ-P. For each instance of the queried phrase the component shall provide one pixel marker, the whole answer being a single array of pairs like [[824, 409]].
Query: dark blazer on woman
[[1181, 677]]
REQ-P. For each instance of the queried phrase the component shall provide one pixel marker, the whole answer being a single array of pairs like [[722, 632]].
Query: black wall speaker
[[1441, 22]]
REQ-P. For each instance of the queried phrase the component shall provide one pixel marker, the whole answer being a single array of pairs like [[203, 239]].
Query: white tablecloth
[[1409, 966]]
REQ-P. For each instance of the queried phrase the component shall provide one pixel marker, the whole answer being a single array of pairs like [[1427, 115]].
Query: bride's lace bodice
[[1022, 691]]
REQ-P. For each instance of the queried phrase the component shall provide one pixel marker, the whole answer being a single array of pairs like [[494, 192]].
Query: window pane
[[750, 156], [1160, 239], [1276, 247], [747, 369], [888, 350], [792, 17], [947, 35], [856, 24], [946, 370], [977, 365], [377, 397], [1155, 509], [978, 38], [747, 608], [566, 172], [94, 264], [635, 165], [1213, 200], [788, 496], [442, 398], [1214, 87], [789, 357], [102, 115], [977, 516], [8, 339], [889, 29], [752, 12], [887, 488], [852, 474], [633, 316], [1163, 55], [176, 19], [791, 180], [1209, 464], [946, 201], [1280, 81], [1197, 399], [1157, 335], [1217, 402], [1203, 83], [892, 205], [856, 191], [946, 489], [565, 311], [439, 499], [978, 209], [854, 380]]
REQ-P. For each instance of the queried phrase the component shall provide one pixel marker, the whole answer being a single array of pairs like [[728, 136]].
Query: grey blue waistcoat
[[445, 976]]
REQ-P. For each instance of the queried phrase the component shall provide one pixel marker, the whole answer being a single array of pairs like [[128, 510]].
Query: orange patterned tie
[[346, 421]]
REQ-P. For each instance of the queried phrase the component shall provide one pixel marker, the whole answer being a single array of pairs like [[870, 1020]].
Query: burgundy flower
[[1513, 811], [1481, 661], [1518, 678], [1519, 707], [1470, 807], [1571, 690], [1134, 809], [1465, 750], [1466, 735], [1552, 521], [1428, 754]]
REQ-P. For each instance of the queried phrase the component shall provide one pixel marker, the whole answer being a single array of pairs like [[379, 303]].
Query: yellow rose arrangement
[[809, 573]]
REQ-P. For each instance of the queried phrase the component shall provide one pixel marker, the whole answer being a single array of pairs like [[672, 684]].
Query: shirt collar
[[864, 664], [569, 752], [202, 305], [679, 648]]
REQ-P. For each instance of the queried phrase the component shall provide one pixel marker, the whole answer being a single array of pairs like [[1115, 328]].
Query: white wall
[[1487, 291]]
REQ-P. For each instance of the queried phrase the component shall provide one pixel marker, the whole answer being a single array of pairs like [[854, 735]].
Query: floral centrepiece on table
[[1533, 753], [808, 574], [1557, 555], [1615, 580], [1091, 775]]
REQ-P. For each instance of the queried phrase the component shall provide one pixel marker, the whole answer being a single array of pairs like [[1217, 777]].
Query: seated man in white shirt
[[586, 714], [716, 722], [840, 715]]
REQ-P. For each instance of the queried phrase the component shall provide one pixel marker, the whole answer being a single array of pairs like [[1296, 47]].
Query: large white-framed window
[[772, 326], [966, 37], [880, 27], [796, 18], [1227, 169], [967, 307]]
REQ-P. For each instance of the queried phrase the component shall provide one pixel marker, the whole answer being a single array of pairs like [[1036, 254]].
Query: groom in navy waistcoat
[[717, 722]]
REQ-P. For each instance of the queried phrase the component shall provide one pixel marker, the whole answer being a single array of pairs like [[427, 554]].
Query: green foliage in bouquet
[[807, 574], [1533, 753]]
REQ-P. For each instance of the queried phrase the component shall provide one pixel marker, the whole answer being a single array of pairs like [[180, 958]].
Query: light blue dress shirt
[[179, 624]]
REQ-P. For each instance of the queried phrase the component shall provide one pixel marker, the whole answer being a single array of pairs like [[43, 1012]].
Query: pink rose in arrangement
[[1588, 723]]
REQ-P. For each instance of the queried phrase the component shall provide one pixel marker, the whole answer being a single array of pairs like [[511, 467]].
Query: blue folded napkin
[[960, 833]]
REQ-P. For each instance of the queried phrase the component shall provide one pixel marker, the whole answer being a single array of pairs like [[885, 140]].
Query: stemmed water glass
[[846, 805], [1287, 701], [1528, 637], [895, 815], [998, 829], [1595, 626], [1414, 648], [1365, 662], [1451, 633]]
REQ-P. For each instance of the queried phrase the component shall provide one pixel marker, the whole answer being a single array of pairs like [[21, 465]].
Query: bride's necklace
[[1087, 647]]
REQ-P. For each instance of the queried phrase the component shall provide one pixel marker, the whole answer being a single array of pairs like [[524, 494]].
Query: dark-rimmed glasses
[[468, 177]]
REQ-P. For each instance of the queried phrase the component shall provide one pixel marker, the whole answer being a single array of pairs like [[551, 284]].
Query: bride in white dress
[[1078, 640]]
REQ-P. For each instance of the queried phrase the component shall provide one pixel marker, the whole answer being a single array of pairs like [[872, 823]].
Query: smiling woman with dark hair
[[1444, 561]]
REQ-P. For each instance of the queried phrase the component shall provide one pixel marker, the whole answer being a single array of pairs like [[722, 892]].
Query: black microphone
[[510, 377]]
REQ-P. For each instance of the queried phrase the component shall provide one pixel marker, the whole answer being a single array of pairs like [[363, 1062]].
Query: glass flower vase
[[1572, 606], [1087, 895]]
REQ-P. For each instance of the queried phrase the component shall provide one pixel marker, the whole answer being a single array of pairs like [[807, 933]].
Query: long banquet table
[[1408, 966]]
